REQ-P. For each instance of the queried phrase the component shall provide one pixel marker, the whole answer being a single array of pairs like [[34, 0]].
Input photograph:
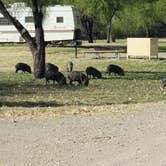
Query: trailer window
[[29, 19], [59, 19], [4, 21]]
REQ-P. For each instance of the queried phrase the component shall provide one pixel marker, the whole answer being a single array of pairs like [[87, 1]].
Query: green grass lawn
[[142, 82]]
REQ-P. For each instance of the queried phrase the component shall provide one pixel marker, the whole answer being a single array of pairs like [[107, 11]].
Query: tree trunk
[[146, 31], [87, 23], [39, 54], [109, 37], [37, 44], [109, 32]]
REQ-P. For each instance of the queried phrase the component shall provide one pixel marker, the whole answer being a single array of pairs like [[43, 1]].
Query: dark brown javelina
[[55, 76], [79, 77], [115, 69], [69, 66], [23, 67], [91, 71], [60, 78], [163, 82], [50, 66]]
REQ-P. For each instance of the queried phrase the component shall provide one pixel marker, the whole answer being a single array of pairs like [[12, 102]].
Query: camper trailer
[[61, 23]]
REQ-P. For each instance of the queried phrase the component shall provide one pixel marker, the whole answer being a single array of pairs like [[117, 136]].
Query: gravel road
[[136, 138]]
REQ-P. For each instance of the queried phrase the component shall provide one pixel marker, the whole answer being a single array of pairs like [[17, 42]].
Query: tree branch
[[20, 28]]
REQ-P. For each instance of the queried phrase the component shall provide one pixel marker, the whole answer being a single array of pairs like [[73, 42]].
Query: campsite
[[141, 83], [82, 83]]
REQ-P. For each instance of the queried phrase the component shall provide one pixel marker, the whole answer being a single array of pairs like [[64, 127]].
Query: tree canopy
[[129, 17], [125, 17], [143, 18]]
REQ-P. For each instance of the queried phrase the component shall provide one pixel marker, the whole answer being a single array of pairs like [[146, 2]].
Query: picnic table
[[98, 53]]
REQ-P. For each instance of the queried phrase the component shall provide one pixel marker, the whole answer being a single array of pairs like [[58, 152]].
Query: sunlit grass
[[141, 83]]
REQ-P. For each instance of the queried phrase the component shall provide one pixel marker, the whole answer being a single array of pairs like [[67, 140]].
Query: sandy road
[[97, 139]]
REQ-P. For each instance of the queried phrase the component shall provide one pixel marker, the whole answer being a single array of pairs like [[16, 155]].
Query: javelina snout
[[91, 71], [60, 78], [76, 76], [23, 67], [69, 66], [115, 69]]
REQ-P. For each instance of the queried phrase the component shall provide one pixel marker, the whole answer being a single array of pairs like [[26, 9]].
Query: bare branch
[[21, 29]]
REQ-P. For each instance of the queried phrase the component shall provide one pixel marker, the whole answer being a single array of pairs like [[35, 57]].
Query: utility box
[[142, 47]]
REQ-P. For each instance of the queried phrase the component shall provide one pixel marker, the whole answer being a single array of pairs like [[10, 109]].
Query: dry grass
[[21, 91]]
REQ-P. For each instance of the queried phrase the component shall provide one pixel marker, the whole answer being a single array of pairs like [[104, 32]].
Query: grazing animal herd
[[52, 73]]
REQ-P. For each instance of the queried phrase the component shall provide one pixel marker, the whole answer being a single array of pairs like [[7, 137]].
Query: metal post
[[75, 49]]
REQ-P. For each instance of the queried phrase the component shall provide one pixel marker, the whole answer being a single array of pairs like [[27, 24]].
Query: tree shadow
[[30, 104], [137, 75], [144, 75], [30, 88], [10, 89]]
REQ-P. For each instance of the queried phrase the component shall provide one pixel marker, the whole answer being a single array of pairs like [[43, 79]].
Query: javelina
[[78, 77], [60, 78], [115, 69], [69, 66], [23, 67], [164, 82], [50, 66], [55, 76], [91, 71]]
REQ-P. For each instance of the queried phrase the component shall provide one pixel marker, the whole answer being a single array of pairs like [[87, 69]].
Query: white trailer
[[61, 23]]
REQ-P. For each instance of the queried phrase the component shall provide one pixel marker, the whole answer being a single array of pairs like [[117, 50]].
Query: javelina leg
[[47, 82], [70, 82], [80, 82], [61, 82]]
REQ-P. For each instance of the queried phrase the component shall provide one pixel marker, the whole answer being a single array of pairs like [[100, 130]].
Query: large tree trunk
[[36, 44], [39, 54], [87, 23]]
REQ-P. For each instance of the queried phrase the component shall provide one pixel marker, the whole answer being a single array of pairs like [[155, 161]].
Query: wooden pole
[[76, 50]]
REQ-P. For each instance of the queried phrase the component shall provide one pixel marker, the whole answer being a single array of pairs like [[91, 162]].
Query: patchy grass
[[140, 84]]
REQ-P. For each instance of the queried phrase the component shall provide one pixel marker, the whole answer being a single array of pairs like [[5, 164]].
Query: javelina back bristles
[[76, 76], [50, 66], [23, 67], [55, 76], [91, 71], [115, 69]]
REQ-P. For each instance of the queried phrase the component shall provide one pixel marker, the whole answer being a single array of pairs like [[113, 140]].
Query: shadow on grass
[[12, 89], [29, 104], [137, 75], [145, 75], [162, 48]]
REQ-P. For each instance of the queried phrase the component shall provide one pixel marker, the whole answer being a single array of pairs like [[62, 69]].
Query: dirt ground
[[120, 137]]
